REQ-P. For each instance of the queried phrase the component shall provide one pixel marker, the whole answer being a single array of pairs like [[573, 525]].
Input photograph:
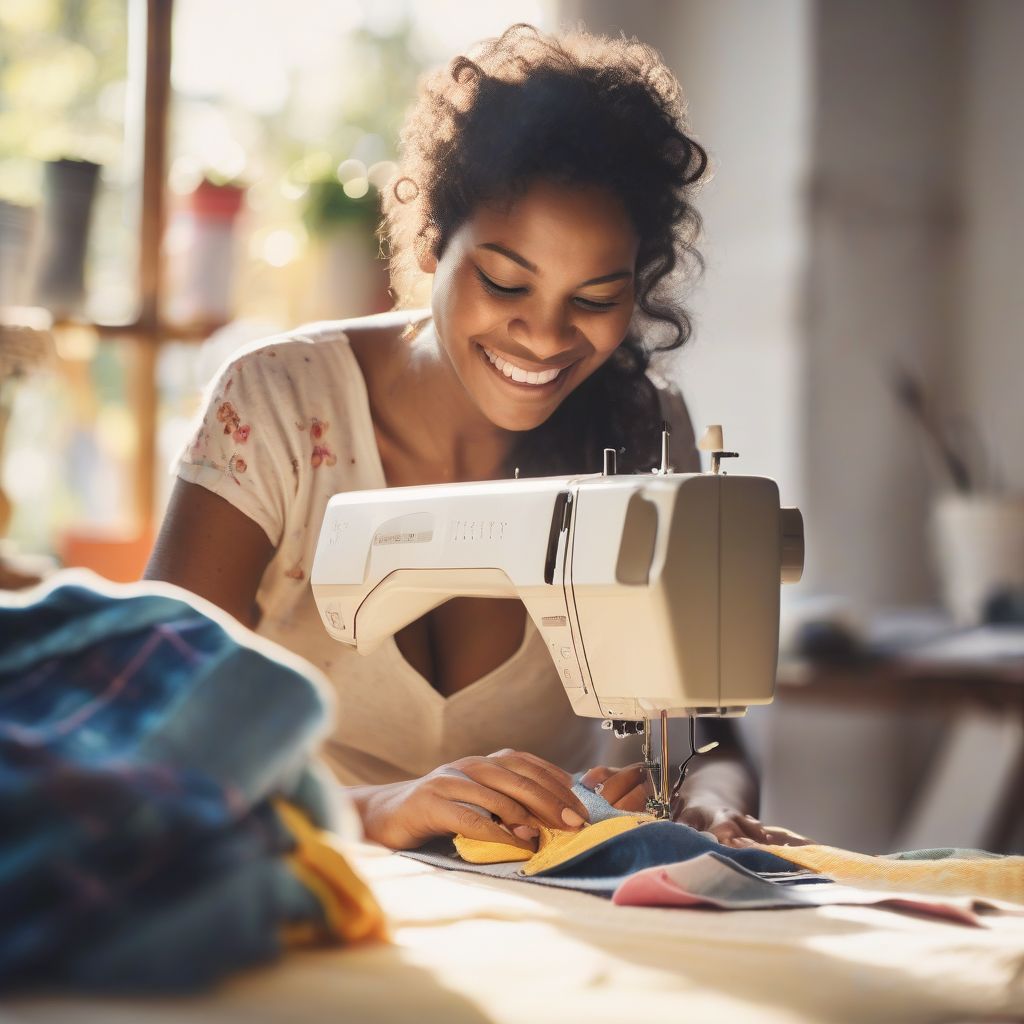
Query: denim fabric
[[602, 868], [140, 741]]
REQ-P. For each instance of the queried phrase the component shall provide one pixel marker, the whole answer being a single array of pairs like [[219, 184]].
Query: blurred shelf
[[26, 340], [139, 329], [977, 667]]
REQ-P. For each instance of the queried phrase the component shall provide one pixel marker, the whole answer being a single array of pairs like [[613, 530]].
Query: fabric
[[596, 858], [711, 880], [554, 847], [351, 913], [142, 736], [286, 425], [944, 853], [999, 878]]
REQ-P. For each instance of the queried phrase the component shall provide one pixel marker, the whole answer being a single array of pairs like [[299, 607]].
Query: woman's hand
[[516, 792], [733, 828], [704, 809]]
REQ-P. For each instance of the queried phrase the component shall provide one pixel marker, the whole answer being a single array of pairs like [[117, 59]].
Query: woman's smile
[[523, 379]]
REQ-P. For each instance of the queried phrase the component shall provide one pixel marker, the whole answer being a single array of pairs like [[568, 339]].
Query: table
[[976, 678], [475, 950]]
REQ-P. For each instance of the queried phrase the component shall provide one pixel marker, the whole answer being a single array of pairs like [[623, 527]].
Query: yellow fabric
[[352, 912], [997, 878], [554, 845]]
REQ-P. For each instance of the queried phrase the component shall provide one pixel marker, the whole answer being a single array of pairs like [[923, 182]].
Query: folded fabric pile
[[161, 822]]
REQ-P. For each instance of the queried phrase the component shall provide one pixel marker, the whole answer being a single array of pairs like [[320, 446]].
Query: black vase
[[69, 188]]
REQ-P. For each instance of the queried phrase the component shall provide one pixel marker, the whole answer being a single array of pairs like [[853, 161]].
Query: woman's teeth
[[517, 373]]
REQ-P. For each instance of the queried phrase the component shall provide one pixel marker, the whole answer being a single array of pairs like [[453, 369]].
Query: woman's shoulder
[[315, 355], [322, 341]]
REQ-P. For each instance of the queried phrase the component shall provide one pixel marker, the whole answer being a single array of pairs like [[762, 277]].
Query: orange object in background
[[116, 556]]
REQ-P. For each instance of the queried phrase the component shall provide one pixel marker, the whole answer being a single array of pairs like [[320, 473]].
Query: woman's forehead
[[552, 222]]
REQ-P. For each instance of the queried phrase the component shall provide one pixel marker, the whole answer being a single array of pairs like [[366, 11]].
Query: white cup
[[978, 540]]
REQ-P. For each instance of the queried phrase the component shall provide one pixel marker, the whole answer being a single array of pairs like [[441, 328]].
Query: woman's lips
[[518, 376]]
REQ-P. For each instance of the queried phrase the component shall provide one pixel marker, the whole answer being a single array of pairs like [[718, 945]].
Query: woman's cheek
[[606, 336]]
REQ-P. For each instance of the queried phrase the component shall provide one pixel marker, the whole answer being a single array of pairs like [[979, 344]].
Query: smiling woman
[[555, 175], [545, 186], [542, 284]]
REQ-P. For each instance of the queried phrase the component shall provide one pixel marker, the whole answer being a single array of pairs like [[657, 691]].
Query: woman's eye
[[503, 292], [495, 288], [597, 307]]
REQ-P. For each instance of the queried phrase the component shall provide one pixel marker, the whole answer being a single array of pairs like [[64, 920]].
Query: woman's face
[[530, 298]]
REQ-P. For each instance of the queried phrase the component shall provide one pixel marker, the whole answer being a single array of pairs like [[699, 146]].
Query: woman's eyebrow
[[617, 276], [512, 255], [509, 254]]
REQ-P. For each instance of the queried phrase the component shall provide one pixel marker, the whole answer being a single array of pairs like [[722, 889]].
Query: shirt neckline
[[369, 438]]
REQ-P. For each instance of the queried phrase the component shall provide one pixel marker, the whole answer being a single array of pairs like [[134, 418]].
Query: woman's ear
[[427, 262]]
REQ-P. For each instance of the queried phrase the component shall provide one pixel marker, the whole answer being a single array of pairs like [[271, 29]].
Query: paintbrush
[[910, 395]]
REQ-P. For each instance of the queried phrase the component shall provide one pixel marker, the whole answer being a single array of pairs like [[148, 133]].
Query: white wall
[[884, 250], [989, 345], [744, 68]]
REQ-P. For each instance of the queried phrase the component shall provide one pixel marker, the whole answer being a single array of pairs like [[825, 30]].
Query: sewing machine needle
[[664, 795]]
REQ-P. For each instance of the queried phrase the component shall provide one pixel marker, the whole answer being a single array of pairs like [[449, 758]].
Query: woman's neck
[[428, 428]]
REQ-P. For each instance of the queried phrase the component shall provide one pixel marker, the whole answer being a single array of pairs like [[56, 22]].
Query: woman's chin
[[514, 420], [516, 405]]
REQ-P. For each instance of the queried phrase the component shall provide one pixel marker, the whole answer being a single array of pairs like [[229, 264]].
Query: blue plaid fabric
[[140, 741]]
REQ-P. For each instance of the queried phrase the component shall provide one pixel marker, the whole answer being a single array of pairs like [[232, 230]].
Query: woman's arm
[[213, 549]]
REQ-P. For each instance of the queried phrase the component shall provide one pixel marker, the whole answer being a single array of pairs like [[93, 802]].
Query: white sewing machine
[[657, 594]]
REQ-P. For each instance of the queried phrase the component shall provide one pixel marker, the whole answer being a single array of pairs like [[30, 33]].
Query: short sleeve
[[685, 457], [241, 447]]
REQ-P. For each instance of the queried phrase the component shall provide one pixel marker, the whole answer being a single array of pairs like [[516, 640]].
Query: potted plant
[[342, 211], [204, 257]]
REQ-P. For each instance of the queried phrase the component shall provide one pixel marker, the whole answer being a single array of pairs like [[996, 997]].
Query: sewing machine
[[657, 594]]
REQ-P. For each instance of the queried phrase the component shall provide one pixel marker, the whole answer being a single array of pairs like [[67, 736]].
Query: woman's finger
[[597, 777], [727, 832], [509, 811], [545, 774], [623, 783], [695, 817], [545, 802], [777, 836], [547, 777], [564, 777], [750, 827], [634, 801], [456, 818]]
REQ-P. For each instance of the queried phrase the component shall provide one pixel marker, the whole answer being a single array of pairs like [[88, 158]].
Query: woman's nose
[[544, 335]]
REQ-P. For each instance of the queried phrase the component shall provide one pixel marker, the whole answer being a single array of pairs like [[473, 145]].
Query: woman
[[546, 187]]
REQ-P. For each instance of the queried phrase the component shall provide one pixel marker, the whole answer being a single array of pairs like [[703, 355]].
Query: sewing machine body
[[654, 594]]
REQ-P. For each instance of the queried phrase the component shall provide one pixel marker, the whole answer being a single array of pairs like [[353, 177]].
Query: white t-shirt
[[285, 426]]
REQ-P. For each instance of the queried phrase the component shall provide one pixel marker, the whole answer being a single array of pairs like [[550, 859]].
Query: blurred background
[[179, 178]]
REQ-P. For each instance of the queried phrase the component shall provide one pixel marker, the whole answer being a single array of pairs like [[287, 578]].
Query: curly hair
[[576, 109]]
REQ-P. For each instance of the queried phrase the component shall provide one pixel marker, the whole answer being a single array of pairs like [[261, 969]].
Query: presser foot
[[658, 809], [656, 804], [659, 803]]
